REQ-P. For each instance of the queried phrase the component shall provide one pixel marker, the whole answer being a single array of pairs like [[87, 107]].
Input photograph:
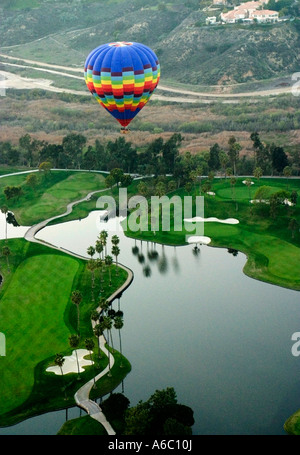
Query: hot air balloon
[[122, 77]]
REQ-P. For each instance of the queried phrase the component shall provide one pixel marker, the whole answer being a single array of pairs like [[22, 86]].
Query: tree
[[4, 209], [45, 167], [223, 161], [233, 182], [99, 247], [279, 158], [99, 265], [262, 193], [126, 180], [74, 343], [115, 252], [118, 324], [6, 252], [59, 361], [89, 344], [92, 265], [108, 262], [293, 226], [159, 415], [76, 298], [91, 251], [73, 146], [12, 192], [170, 151], [115, 240], [259, 148], [294, 197], [143, 189], [106, 324], [257, 172], [248, 183], [98, 332], [214, 157], [32, 180], [287, 172], [233, 153], [103, 238]]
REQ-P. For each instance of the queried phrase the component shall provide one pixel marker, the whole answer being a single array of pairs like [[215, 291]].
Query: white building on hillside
[[265, 15], [248, 12]]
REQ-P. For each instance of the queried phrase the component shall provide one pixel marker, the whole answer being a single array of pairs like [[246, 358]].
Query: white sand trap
[[199, 239], [211, 193], [245, 182], [264, 201], [199, 218], [70, 363]]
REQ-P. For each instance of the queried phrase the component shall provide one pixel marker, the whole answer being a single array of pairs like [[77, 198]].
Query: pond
[[195, 322]]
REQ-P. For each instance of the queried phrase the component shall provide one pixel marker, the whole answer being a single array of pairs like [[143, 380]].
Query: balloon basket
[[124, 130]]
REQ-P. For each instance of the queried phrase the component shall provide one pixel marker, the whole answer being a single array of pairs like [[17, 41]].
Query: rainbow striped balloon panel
[[122, 77]]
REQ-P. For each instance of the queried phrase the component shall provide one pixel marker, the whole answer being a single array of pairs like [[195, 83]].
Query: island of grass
[[292, 424], [270, 240]]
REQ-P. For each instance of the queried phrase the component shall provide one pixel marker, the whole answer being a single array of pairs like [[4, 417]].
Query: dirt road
[[11, 80]]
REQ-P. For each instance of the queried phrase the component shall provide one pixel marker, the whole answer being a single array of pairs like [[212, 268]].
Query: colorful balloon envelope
[[122, 77]]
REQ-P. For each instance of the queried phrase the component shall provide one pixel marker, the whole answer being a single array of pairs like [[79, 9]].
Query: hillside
[[64, 32]]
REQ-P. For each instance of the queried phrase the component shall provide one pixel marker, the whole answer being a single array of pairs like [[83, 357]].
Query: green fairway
[[37, 317], [32, 311], [50, 196]]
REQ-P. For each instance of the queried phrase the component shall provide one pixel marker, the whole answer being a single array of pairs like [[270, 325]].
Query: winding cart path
[[82, 395]]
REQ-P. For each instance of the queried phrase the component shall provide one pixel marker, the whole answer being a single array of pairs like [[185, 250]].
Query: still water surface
[[195, 322]]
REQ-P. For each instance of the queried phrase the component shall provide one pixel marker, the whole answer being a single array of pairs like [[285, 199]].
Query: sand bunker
[[199, 239], [199, 218], [264, 201], [245, 182], [70, 363]]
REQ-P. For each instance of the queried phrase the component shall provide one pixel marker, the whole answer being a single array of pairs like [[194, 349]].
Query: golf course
[[38, 281]]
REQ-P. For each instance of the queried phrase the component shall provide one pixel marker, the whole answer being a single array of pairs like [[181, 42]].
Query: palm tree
[[116, 251], [4, 209], [89, 344], [98, 332], [99, 247], [248, 183], [103, 237], [104, 305], [99, 265], [74, 343], [107, 324], [76, 298], [91, 251], [115, 240], [92, 265], [59, 361], [287, 171], [95, 315], [233, 183], [118, 324], [108, 262]]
